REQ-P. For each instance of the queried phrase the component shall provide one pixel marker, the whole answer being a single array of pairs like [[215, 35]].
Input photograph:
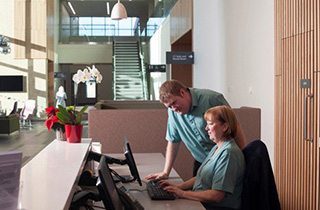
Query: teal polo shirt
[[190, 128], [224, 171]]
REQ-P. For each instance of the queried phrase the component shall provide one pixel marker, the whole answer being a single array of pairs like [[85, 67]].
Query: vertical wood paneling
[[50, 30], [181, 19], [296, 58], [50, 81]]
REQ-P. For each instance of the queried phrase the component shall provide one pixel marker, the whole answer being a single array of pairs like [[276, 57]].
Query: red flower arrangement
[[53, 120]]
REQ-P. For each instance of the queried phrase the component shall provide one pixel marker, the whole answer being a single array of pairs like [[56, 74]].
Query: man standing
[[186, 107]]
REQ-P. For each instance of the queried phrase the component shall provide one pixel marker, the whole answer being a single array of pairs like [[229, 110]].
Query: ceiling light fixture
[[108, 8], [118, 12], [71, 7]]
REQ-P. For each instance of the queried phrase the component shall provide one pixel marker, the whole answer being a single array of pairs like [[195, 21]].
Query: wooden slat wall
[[181, 19], [50, 81], [296, 57]]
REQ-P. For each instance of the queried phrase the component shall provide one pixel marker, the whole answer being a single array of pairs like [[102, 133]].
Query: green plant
[[69, 115]]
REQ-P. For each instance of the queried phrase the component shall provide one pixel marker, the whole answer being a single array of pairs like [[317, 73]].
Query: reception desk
[[48, 181], [148, 163]]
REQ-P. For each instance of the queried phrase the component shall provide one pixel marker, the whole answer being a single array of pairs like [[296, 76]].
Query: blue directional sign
[[180, 58]]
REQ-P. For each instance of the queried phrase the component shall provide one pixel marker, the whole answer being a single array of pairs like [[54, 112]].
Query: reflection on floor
[[30, 141]]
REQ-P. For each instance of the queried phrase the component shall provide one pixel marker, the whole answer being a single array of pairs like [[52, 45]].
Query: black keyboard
[[158, 193]]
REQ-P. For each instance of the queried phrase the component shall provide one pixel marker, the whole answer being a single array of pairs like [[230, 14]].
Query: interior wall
[[104, 89], [34, 70], [84, 53], [234, 54], [159, 45]]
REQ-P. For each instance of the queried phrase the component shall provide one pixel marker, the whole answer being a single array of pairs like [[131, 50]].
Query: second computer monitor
[[130, 161], [107, 188]]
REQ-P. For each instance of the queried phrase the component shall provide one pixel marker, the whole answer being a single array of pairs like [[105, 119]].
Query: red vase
[[73, 133]]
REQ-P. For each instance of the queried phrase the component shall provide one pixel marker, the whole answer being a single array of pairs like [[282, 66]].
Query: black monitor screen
[[107, 188], [11, 83], [130, 161]]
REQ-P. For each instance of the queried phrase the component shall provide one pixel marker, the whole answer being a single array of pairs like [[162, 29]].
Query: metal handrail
[[114, 72], [100, 32], [144, 74]]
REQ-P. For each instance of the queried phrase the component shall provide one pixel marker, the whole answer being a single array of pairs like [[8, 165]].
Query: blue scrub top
[[223, 171]]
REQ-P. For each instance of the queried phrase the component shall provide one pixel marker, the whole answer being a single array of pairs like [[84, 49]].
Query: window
[[104, 26], [91, 89]]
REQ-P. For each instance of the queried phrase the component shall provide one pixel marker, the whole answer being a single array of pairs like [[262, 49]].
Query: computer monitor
[[130, 161], [107, 188]]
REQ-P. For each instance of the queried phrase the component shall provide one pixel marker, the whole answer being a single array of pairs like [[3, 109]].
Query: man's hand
[[161, 175]]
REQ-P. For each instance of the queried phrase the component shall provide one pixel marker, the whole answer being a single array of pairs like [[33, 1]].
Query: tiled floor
[[30, 141]]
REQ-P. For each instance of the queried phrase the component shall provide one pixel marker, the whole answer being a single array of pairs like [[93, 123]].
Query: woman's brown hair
[[223, 114]]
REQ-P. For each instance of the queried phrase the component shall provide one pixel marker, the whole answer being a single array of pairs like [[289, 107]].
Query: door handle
[[305, 118]]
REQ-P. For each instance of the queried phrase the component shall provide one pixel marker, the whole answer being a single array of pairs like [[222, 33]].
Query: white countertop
[[48, 181]]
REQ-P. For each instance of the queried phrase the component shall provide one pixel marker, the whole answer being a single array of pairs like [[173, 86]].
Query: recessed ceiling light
[[108, 8], [71, 7]]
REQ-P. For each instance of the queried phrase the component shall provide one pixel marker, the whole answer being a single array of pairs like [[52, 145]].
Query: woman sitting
[[219, 180]]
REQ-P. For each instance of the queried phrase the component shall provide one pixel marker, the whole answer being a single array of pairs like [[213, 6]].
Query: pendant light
[[118, 12]]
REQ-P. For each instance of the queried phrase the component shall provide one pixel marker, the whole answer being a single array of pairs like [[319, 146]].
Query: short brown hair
[[170, 87], [223, 114]]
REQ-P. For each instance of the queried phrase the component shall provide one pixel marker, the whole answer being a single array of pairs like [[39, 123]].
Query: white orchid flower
[[86, 76], [94, 71], [77, 77], [99, 78], [90, 69]]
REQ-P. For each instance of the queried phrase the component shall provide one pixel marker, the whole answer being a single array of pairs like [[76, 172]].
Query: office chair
[[27, 112], [259, 188], [15, 108]]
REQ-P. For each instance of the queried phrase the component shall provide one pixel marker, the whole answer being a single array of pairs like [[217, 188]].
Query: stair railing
[[114, 72], [144, 74]]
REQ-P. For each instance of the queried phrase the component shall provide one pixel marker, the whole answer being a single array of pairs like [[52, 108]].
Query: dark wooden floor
[[30, 141]]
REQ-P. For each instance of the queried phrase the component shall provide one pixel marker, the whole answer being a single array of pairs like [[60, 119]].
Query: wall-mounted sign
[[61, 75], [157, 68], [180, 58]]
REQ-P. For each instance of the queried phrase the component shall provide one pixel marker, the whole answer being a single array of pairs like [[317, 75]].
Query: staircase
[[128, 76]]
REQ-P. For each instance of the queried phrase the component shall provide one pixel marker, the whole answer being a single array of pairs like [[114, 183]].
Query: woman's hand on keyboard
[[164, 183], [175, 190]]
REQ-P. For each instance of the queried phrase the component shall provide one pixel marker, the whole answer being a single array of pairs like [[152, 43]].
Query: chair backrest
[[29, 108], [15, 108], [259, 188]]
